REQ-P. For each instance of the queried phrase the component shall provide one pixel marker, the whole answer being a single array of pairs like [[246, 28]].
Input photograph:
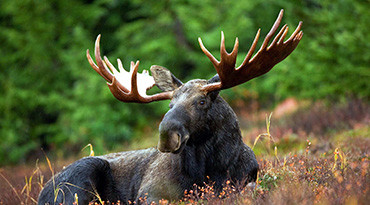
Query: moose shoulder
[[199, 137]]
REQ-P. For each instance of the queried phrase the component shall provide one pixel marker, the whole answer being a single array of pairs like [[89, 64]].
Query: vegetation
[[52, 99], [324, 166], [52, 103]]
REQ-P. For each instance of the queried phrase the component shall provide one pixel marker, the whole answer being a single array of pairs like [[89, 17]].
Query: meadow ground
[[316, 153]]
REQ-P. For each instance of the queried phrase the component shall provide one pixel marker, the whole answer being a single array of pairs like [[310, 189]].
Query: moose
[[199, 137]]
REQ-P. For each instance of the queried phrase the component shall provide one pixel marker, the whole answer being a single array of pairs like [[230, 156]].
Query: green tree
[[51, 98]]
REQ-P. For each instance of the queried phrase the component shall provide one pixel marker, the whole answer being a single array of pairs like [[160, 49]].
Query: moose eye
[[202, 102]]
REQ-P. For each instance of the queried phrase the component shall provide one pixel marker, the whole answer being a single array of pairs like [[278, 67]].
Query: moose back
[[199, 137]]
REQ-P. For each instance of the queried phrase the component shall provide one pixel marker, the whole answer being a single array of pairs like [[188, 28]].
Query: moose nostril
[[176, 134], [169, 141], [177, 140], [174, 140]]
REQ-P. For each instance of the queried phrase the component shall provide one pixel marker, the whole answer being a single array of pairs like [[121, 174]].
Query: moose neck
[[215, 148]]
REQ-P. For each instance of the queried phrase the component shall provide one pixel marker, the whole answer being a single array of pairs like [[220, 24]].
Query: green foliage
[[51, 98], [332, 60], [268, 181]]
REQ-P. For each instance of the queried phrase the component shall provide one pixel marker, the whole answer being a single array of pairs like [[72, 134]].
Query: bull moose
[[199, 137]]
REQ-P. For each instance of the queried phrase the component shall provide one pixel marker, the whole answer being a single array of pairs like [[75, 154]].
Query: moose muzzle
[[172, 132]]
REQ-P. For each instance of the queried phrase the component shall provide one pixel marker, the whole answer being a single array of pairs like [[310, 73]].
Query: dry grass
[[21, 184], [317, 156]]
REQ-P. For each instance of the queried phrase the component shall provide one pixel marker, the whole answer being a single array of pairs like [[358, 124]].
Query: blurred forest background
[[51, 99]]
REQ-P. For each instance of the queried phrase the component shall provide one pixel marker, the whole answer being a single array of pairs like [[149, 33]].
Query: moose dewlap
[[199, 137]]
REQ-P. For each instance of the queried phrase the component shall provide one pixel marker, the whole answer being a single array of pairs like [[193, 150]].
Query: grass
[[20, 185], [319, 155]]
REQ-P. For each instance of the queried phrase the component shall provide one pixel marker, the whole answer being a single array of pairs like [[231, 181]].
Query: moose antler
[[123, 84], [265, 59]]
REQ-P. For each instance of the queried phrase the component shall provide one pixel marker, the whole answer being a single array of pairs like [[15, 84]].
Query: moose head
[[191, 102]]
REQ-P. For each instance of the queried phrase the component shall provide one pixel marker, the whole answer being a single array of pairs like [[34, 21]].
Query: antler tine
[[228, 60], [280, 36], [281, 40], [95, 67], [113, 69], [102, 67], [223, 51], [109, 65], [252, 49], [295, 33], [92, 63], [214, 61], [134, 90], [272, 31]]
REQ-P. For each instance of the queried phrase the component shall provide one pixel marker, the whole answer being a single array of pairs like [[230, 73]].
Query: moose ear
[[214, 79], [214, 94], [164, 79]]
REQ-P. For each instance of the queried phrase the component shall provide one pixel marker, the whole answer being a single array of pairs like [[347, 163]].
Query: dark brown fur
[[200, 142]]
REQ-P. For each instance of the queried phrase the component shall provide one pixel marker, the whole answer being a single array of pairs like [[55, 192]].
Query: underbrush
[[317, 155]]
